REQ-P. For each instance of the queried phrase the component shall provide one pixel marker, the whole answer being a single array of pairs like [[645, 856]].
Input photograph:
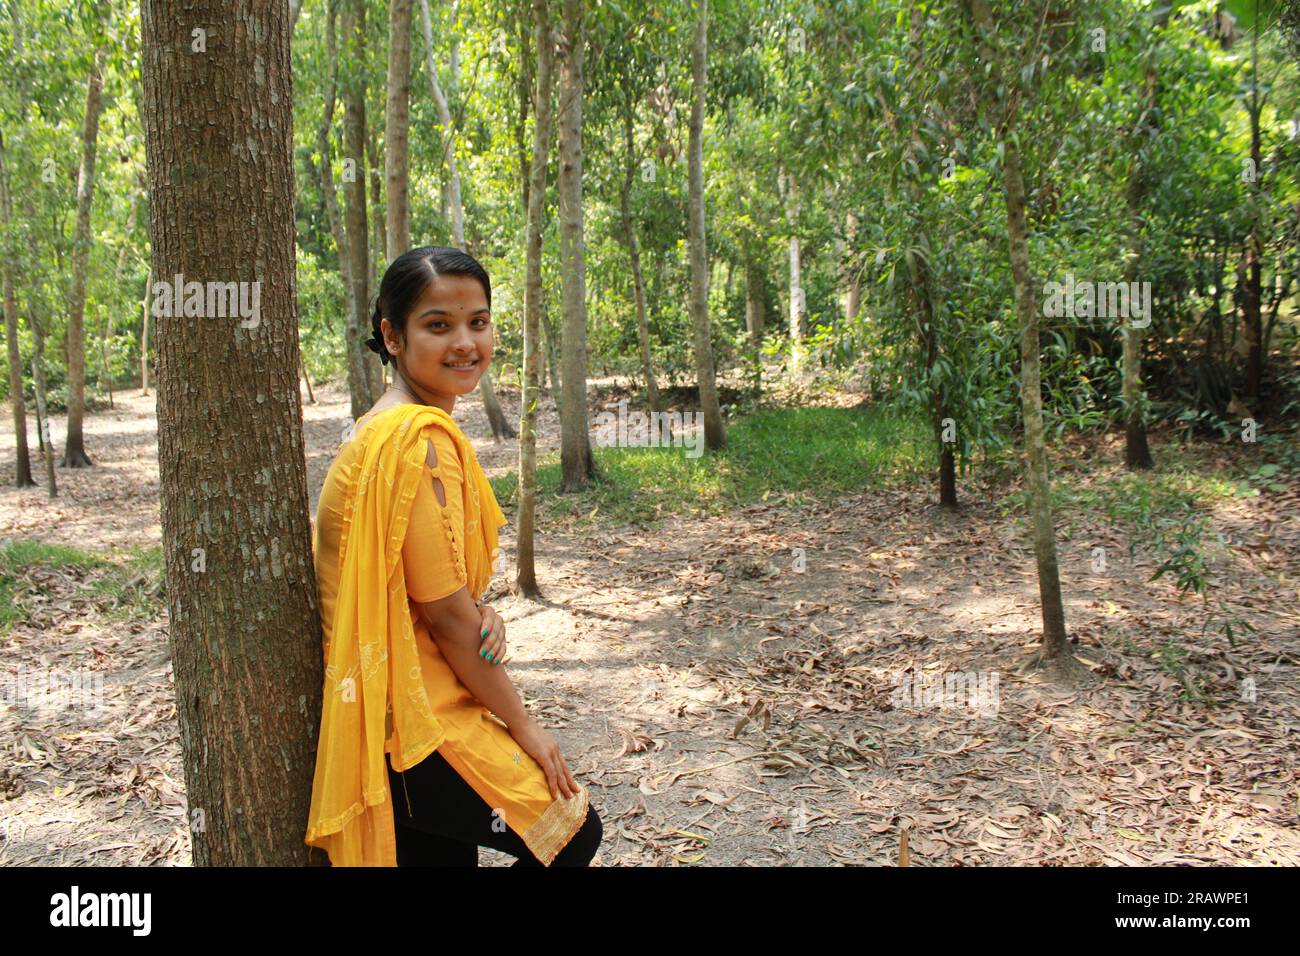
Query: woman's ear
[[391, 341]]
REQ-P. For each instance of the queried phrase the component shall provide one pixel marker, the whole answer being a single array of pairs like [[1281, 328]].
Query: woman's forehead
[[455, 291]]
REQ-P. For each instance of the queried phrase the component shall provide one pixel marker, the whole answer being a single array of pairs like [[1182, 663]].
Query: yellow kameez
[[388, 689]]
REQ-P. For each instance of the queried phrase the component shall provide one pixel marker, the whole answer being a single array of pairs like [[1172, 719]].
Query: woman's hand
[[545, 749], [492, 630]]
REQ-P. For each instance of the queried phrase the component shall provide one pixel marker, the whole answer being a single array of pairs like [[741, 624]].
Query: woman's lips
[[473, 364]]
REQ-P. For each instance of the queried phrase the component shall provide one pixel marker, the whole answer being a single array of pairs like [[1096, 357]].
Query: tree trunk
[[853, 277], [634, 258], [552, 344], [23, 468], [302, 370], [501, 427], [577, 467], [366, 387], [42, 406], [754, 320], [1254, 332], [791, 192], [355, 320], [526, 575], [1056, 652], [105, 333], [396, 127], [921, 294], [448, 130], [715, 436], [1137, 452], [241, 591], [1056, 645], [106, 328], [144, 332], [74, 451], [378, 243]]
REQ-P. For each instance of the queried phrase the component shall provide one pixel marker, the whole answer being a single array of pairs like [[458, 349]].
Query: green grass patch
[[1131, 498], [134, 585], [798, 454], [1187, 479], [128, 585]]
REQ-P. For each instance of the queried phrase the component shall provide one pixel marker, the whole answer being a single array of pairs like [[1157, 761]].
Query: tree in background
[[526, 572], [74, 451], [1003, 71], [715, 436], [576, 463], [23, 466], [365, 381]]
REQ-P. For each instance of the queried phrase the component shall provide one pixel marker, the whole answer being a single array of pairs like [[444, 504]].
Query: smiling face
[[447, 342]]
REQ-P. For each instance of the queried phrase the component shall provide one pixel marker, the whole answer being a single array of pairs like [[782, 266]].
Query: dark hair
[[405, 280]]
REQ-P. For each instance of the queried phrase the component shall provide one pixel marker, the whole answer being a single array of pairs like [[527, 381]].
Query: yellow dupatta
[[372, 663]]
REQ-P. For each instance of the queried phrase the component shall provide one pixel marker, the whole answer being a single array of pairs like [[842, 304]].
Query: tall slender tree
[[396, 129], [365, 382], [42, 406], [577, 466], [23, 465], [1137, 452], [715, 436], [500, 425], [526, 573], [634, 255], [789, 188], [358, 358], [1056, 652], [74, 451]]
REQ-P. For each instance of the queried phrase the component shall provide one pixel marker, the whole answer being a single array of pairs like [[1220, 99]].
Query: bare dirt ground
[[726, 687]]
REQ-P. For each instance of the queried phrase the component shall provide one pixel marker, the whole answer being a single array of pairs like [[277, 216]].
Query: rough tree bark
[[241, 592]]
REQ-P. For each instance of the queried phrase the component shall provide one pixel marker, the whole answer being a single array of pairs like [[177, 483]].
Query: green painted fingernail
[[489, 658], [484, 634], [482, 652]]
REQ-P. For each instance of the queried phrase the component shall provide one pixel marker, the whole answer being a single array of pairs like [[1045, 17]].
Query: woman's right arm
[[432, 566], [454, 625]]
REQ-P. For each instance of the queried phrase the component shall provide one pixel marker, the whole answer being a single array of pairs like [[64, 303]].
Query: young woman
[[405, 540]]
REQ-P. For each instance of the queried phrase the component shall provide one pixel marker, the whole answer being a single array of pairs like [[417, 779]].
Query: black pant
[[449, 821]]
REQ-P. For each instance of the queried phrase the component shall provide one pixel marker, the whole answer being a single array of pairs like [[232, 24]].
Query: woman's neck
[[406, 393]]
